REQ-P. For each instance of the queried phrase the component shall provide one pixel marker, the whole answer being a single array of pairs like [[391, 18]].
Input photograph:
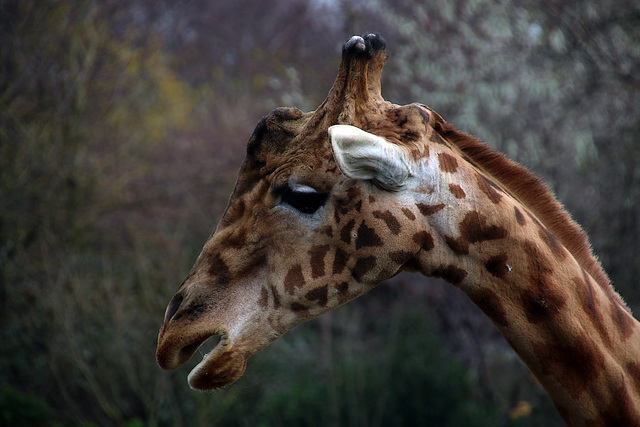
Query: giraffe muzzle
[[221, 365]]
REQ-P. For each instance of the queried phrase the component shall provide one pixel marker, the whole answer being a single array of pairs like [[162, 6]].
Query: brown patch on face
[[235, 211], [427, 210], [237, 238], [372, 199], [542, 300], [328, 231], [367, 237], [294, 279], [218, 269], [353, 192], [497, 265], [340, 261], [338, 212], [317, 254], [450, 273], [362, 267], [519, 217], [318, 294], [424, 239], [574, 363], [342, 288], [264, 298], [296, 306], [408, 214], [489, 302], [457, 191], [345, 233], [489, 188], [448, 163], [389, 219], [193, 311], [400, 257]]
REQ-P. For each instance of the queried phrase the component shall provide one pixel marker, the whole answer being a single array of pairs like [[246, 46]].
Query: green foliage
[[397, 373], [18, 408]]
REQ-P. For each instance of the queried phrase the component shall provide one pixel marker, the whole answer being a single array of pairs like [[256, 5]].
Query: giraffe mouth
[[220, 366]]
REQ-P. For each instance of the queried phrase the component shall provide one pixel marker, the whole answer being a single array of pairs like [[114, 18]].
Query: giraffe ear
[[363, 155]]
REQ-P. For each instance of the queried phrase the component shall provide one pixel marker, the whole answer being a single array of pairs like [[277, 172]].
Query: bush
[[17, 408]]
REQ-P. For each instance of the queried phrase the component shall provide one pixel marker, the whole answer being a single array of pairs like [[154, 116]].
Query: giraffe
[[330, 203]]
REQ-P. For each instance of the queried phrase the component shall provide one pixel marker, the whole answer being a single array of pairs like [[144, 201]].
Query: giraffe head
[[327, 205], [309, 226]]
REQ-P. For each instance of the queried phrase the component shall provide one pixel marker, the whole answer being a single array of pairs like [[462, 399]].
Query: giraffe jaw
[[220, 367]]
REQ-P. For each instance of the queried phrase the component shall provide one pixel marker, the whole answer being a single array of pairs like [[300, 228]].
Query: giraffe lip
[[211, 343], [220, 367], [174, 351]]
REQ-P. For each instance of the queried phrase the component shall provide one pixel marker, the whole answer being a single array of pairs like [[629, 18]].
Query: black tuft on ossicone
[[366, 46]]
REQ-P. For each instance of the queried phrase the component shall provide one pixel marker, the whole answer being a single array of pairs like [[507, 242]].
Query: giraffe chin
[[218, 369]]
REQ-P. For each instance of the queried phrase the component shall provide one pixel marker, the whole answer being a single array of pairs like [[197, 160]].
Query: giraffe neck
[[571, 329], [578, 341]]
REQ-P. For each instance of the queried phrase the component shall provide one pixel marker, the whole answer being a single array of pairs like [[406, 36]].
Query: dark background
[[123, 123]]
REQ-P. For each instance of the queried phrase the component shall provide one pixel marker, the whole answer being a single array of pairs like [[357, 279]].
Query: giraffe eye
[[303, 199]]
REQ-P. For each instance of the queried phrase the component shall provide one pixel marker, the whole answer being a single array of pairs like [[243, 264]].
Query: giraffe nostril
[[173, 307]]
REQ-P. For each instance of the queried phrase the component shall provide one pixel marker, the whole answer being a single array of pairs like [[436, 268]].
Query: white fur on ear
[[363, 155]]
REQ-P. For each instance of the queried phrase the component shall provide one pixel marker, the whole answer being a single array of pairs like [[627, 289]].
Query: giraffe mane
[[533, 193]]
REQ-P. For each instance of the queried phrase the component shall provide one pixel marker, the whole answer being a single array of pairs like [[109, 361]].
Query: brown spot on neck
[[457, 191], [575, 362], [519, 217], [427, 210], [450, 273], [489, 188], [475, 229], [497, 265], [531, 191], [490, 303], [408, 214], [593, 310], [619, 410], [424, 239], [623, 320], [447, 162], [543, 299]]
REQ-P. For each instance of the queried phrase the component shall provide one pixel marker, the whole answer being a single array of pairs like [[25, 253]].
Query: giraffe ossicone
[[330, 203]]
